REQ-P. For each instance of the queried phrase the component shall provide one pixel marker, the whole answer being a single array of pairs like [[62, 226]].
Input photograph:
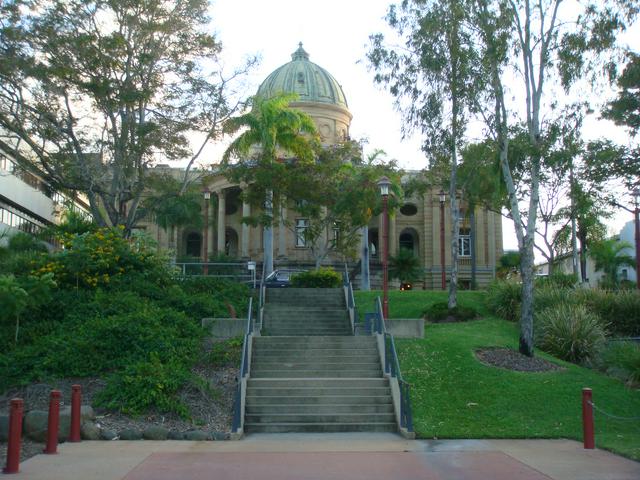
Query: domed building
[[319, 95], [416, 226]]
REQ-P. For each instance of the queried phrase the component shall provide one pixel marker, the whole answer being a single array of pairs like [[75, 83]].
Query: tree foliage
[[625, 108], [434, 79], [548, 44], [93, 92]]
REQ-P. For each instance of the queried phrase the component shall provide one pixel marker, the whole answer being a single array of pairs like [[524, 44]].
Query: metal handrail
[[235, 270], [392, 368], [245, 366], [261, 300], [349, 299]]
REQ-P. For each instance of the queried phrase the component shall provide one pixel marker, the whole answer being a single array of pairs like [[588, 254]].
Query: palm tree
[[272, 130], [608, 258], [405, 266]]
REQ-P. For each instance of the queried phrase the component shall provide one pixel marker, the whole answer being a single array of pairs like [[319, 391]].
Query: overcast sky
[[335, 34]]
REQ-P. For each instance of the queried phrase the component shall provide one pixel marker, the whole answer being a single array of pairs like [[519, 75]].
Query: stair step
[[347, 339], [322, 418], [317, 391], [252, 399], [316, 374], [320, 409], [329, 350], [302, 333], [320, 427], [313, 365], [331, 382]]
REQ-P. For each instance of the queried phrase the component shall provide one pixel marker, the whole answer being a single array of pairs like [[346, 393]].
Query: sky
[[335, 33]]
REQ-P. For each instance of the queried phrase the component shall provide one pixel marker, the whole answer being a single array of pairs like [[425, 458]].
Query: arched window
[[193, 244]]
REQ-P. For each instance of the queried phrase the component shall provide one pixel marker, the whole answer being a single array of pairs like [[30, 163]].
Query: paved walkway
[[347, 456]]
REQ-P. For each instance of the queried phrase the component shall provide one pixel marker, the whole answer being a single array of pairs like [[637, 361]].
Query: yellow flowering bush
[[95, 258]]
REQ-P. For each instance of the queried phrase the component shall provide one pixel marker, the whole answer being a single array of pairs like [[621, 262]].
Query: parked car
[[280, 278]]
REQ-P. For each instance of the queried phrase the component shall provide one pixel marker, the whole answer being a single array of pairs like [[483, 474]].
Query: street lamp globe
[[384, 183], [207, 193], [442, 196]]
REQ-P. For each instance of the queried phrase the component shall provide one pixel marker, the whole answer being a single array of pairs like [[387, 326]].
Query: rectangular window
[[301, 229], [464, 242]]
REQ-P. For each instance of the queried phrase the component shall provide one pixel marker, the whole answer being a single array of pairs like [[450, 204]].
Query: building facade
[[416, 226], [28, 203]]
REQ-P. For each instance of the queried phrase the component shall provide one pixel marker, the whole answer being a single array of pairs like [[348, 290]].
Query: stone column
[[282, 231], [221, 222], [246, 229], [491, 217]]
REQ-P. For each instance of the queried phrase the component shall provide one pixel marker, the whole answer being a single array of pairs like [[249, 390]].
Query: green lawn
[[456, 396]]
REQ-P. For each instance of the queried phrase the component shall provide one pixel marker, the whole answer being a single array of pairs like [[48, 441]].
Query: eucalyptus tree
[[625, 108], [93, 92], [536, 47], [433, 77], [272, 134]]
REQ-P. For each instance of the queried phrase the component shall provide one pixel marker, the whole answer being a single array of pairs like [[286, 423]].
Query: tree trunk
[[582, 236], [526, 318], [268, 235]]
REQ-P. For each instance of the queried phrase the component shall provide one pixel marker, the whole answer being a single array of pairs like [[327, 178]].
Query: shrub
[[440, 312], [321, 278], [550, 295], [144, 385], [503, 299], [226, 352], [621, 309], [557, 280], [115, 337], [570, 332], [622, 360], [24, 242]]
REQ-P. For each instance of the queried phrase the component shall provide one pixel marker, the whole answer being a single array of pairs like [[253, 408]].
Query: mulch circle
[[512, 360]]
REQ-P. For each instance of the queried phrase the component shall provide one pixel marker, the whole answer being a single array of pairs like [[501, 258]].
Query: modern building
[[28, 203], [416, 226], [564, 263]]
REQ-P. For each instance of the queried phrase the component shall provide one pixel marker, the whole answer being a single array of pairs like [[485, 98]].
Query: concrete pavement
[[354, 456]]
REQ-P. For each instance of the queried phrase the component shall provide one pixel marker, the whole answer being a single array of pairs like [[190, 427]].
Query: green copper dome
[[311, 82]]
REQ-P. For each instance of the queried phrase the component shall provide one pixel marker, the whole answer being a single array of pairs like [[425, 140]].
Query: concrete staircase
[[309, 374], [305, 311]]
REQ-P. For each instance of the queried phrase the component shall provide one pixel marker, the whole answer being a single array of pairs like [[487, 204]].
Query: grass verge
[[456, 396]]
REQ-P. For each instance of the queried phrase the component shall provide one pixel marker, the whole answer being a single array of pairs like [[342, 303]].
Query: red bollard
[[53, 423], [587, 419], [74, 431], [15, 436]]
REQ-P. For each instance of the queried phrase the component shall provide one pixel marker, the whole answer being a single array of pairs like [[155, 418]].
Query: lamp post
[[636, 198], [205, 236], [384, 184], [443, 275]]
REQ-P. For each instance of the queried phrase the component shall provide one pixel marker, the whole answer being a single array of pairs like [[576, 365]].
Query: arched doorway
[[193, 244], [231, 242], [374, 250], [409, 240]]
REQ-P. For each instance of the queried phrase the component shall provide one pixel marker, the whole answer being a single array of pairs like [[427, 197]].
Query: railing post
[[76, 400], [15, 436], [587, 419], [53, 422]]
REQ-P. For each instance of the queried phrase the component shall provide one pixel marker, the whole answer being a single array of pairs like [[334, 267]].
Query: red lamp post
[[384, 183], [205, 233], [636, 198], [443, 274]]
